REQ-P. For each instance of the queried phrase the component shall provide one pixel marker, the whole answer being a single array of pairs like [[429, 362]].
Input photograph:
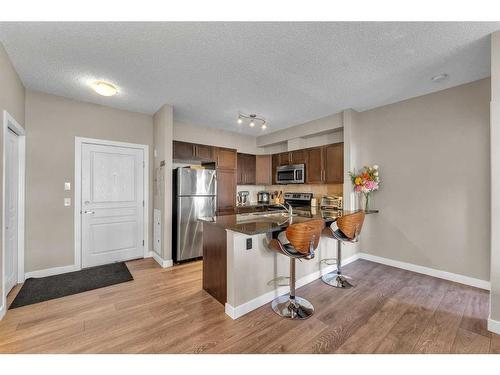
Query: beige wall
[[215, 137], [320, 127], [495, 177], [433, 153], [12, 96], [52, 123], [163, 135]]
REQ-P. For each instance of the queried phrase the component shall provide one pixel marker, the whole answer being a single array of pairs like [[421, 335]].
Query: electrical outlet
[[249, 244], [67, 202], [67, 186]]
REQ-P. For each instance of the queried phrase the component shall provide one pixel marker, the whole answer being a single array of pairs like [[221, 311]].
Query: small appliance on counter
[[263, 197], [332, 202], [314, 202], [242, 198]]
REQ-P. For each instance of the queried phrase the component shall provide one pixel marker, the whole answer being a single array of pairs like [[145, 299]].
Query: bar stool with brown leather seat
[[344, 229], [303, 240]]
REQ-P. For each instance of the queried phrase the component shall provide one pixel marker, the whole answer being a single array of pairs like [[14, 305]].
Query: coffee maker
[[263, 197]]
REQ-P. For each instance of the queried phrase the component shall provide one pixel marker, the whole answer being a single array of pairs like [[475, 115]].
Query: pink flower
[[371, 185], [357, 188]]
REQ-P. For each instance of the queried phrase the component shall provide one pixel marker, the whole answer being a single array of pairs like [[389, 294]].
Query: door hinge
[[142, 203], [144, 164], [142, 243]]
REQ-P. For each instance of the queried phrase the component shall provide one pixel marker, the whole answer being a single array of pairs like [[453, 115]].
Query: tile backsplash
[[318, 190]]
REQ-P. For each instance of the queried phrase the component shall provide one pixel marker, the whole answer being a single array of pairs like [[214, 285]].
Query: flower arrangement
[[365, 181]]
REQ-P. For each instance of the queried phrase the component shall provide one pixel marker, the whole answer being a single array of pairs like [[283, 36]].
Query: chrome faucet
[[289, 210]]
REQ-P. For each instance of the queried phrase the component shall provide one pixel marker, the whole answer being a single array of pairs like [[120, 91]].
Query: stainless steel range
[[299, 199]]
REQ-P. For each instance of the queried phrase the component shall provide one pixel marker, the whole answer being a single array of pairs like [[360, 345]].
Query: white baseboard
[[494, 326], [238, 311], [478, 283], [163, 263], [51, 271]]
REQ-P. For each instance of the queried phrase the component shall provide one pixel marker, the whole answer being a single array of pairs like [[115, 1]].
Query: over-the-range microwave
[[290, 174]]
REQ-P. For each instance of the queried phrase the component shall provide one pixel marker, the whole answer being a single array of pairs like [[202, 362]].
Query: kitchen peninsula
[[235, 246]]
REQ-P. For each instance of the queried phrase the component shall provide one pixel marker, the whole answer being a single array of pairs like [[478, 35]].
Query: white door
[[11, 209], [112, 204]]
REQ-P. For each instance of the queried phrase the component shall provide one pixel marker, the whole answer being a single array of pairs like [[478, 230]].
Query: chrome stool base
[[298, 308], [336, 280]]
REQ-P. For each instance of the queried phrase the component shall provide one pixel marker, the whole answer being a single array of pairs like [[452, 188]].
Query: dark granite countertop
[[270, 221], [254, 204]]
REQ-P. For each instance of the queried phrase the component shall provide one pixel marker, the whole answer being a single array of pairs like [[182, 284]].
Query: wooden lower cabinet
[[215, 261]]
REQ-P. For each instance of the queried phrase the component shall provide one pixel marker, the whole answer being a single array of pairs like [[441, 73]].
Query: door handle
[[89, 212]]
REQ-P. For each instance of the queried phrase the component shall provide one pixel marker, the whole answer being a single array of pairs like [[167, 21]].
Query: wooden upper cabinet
[[264, 170], [204, 152], [334, 163], [250, 170], [225, 158], [184, 151], [284, 158], [192, 151], [274, 165], [246, 169], [314, 167], [298, 157]]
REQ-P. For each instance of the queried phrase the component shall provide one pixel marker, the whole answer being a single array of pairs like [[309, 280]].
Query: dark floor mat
[[42, 289]]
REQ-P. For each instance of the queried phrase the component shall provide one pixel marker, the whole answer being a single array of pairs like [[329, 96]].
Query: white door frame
[[79, 141], [10, 123]]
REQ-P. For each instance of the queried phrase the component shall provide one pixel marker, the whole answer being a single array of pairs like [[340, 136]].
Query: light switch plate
[[67, 202], [67, 186]]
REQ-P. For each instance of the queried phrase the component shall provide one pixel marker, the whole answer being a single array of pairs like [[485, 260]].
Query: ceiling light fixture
[[104, 88], [253, 119], [439, 77]]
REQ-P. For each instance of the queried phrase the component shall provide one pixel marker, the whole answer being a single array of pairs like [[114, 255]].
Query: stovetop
[[298, 199]]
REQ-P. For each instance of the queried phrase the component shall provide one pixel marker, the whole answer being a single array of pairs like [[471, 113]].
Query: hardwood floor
[[166, 311]]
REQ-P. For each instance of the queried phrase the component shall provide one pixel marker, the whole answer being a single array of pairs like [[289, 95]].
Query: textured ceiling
[[289, 73]]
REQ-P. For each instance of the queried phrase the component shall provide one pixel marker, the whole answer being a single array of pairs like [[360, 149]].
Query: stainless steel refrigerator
[[194, 197]]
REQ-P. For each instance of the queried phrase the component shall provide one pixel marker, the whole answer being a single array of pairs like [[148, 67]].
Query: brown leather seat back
[[300, 235], [351, 224]]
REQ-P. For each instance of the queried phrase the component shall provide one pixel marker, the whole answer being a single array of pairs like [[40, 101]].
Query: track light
[[253, 118]]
